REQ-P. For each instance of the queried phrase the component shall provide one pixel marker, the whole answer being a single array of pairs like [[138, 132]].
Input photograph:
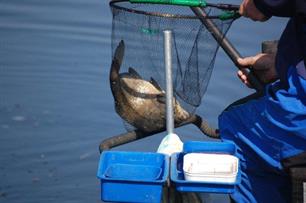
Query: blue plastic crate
[[177, 174], [132, 176]]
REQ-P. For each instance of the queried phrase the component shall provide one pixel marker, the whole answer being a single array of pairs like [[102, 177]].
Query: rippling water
[[55, 101]]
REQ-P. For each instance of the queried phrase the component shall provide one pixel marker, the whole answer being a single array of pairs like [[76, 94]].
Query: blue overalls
[[271, 128]]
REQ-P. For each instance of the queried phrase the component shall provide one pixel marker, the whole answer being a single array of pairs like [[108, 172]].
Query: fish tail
[[117, 61]]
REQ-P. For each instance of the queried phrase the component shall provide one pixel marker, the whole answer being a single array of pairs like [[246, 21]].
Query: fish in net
[[137, 75]]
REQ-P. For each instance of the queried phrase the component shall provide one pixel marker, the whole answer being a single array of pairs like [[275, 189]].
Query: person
[[269, 130]]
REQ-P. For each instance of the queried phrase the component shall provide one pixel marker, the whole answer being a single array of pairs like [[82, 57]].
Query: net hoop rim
[[114, 4]]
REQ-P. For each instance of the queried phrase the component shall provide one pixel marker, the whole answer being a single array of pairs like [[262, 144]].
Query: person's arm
[[281, 8], [261, 10]]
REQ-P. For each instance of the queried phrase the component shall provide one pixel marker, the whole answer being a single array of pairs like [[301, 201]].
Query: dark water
[[55, 101]]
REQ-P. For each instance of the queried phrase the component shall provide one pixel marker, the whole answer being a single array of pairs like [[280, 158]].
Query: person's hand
[[263, 66], [249, 10]]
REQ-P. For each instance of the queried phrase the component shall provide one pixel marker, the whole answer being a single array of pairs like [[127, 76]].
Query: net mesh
[[194, 49]]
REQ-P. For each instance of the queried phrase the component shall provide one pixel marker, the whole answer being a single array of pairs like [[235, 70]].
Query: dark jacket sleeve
[[281, 8]]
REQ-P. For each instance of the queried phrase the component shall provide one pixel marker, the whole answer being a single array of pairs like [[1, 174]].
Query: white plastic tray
[[207, 167]]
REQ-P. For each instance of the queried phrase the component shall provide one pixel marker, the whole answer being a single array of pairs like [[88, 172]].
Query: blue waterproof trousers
[[267, 130]]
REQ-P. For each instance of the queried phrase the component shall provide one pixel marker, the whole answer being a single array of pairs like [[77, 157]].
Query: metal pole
[[169, 88]]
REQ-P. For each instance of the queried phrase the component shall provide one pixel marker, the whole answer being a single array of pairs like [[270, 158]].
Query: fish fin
[[134, 73], [155, 84], [161, 98]]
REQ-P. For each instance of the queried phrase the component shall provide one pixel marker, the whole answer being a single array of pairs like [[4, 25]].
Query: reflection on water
[[55, 101]]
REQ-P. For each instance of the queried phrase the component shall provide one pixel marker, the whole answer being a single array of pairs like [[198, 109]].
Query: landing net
[[194, 49]]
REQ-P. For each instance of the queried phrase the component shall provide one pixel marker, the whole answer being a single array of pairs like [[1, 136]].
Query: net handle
[[227, 47]]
